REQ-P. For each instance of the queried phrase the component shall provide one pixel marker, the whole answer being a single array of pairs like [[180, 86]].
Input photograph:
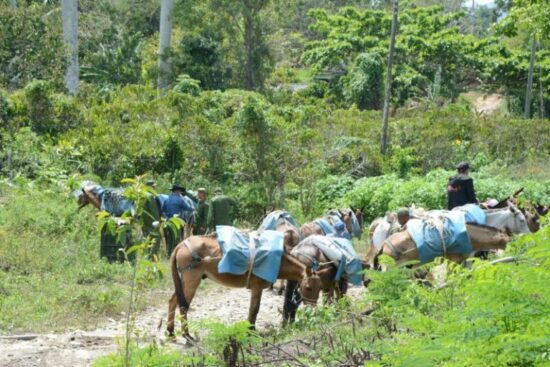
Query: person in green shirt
[[151, 217], [222, 210], [203, 209]]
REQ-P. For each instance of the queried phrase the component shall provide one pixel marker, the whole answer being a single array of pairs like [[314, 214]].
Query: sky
[[485, 2]]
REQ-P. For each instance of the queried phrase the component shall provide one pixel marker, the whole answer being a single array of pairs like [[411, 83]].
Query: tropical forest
[[312, 183]]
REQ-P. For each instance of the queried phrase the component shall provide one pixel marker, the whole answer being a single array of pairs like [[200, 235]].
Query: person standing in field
[[222, 210], [460, 188], [203, 209]]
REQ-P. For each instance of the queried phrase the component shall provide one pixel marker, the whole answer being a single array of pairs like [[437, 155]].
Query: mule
[[108, 199], [509, 219], [281, 221], [311, 256], [198, 257], [349, 216], [401, 247]]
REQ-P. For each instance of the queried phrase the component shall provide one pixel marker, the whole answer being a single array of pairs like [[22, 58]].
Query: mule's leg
[[191, 280], [171, 314], [292, 302], [256, 289]]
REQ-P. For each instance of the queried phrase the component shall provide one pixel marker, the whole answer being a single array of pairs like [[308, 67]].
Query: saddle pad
[[271, 221], [339, 250], [113, 201], [429, 241], [326, 227], [235, 245], [473, 214]]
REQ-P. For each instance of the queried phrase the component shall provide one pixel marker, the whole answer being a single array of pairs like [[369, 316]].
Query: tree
[[246, 18], [69, 10], [364, 84], [31, 46], [166, 8], [531, 17], [387, 92]]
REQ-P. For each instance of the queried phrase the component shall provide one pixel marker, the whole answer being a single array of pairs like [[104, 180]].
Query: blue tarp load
[[473, 213], [431, 240], [238, 248], [339, 250], [326, 227], [273, 219], [113, 202]]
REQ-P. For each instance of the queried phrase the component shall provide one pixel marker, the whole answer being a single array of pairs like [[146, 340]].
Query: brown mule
[[401, 247], [345, 215], [312, 256], [199, 256]]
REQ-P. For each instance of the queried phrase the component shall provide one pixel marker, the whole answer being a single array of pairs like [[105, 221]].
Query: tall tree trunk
[[527, 111], [250, 67], [541, 94], [69, 11], [387, 93], [166, 8]]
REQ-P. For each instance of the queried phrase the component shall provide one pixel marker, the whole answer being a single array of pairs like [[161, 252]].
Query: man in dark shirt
[[460, 189]]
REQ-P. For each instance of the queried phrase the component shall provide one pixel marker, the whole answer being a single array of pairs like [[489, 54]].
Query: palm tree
[[69, 11], [166, 8]]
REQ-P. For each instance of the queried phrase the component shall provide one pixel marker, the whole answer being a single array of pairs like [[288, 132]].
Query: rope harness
[[437, 222], [195, 258]]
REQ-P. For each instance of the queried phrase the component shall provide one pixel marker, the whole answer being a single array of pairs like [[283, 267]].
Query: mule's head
[[86, 197], [310, 287], [516, 222], [353, 224]]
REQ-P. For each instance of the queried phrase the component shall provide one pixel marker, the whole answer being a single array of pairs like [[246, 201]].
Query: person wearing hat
[[460, 188], [175, 205], [203, 208], [222, 210]]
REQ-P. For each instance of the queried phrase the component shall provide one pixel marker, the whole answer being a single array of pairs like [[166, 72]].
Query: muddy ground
[[82, 347]]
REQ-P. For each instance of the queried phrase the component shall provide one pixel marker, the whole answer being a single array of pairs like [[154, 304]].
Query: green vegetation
[[51, 276], [279, 103]]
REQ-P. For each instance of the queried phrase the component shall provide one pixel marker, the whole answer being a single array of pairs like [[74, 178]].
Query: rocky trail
[[82, 347]]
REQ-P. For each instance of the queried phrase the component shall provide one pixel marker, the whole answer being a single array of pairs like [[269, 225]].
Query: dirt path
[[80, 348]]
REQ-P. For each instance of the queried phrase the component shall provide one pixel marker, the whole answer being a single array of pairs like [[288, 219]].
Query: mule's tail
[[178, 284]]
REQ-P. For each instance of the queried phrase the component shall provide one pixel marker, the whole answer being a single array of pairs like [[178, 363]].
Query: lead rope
[[437, 222]]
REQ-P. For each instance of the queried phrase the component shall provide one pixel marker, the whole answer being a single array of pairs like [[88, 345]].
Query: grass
[[51, 277]]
